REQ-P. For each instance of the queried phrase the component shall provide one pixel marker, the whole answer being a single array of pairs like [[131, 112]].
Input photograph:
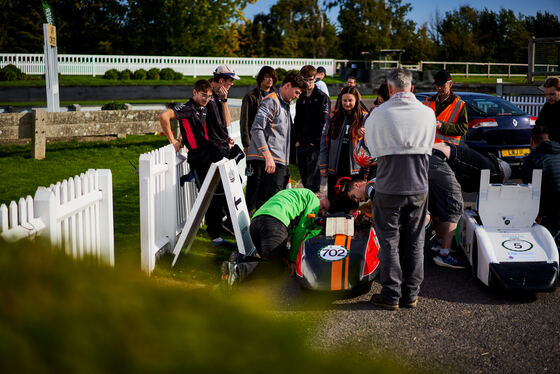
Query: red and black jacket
[[194, 130]]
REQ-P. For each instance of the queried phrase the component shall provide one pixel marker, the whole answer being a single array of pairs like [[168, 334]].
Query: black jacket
[[312, 112], [249, 107], [195, 133], [546, 157], [549, 117]]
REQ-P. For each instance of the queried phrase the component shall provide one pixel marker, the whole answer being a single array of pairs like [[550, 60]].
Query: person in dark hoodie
[[545, 155]]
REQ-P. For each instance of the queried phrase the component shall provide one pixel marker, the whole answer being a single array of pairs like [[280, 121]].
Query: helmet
[[363, 156]]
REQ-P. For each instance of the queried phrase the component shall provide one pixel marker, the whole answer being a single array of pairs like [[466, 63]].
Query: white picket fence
[[529, 104], [75, 214], [33, 63], [164, 203]]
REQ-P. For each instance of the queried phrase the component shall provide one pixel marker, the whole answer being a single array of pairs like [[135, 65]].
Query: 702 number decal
[[332, 253]]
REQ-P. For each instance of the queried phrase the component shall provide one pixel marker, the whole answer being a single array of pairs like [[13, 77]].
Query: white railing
[[164, 203], [529, 104], [75, 214], [191, 66], [490, 68]]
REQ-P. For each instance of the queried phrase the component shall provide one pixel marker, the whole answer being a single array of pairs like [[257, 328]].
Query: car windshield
[[491, 106]]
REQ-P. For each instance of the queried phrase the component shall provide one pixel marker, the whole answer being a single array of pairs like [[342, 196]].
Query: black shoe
[[408, 304], [379, 301]]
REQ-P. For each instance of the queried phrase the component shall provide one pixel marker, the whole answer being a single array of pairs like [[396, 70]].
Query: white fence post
[[147, 225], [170, 196], [44, 207], [106, 225]]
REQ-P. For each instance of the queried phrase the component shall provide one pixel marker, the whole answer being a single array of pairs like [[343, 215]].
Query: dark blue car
[[495, 125]]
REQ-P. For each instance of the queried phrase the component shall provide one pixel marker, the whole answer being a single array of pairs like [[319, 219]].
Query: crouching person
[[284, 214]]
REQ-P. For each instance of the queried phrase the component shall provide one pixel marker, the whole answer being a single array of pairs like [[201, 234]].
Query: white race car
[[502, 241]]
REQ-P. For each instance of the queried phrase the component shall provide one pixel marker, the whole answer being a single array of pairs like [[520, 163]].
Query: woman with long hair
[[341, 134]]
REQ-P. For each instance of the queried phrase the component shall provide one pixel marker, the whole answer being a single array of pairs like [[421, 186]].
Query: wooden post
[[39, 140]]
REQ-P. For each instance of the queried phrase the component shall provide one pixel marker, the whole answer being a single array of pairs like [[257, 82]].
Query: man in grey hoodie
[[400, 133], [269, 151]]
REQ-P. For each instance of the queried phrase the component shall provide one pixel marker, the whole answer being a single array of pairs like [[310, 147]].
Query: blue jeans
[[308, 165], [399, 225]]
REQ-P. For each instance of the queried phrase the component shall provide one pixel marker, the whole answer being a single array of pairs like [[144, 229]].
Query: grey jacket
[[271, 130], [330, 150]]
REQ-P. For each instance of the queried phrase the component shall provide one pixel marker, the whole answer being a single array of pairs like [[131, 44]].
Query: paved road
[[459, 325]]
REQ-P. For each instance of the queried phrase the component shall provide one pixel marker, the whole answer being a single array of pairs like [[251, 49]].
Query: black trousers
[[261, 186], [308, 166], [218, 206], [270, 237]]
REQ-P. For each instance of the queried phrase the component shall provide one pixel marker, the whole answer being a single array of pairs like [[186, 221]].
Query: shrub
[[112, 74], [113, 106], [125, 75], [140, 75], [167, 74], [11, 73], [153, 74], [281, 74], [178, 76]]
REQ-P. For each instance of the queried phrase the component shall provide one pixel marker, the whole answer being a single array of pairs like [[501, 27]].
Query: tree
[[22, 26], [184, 27], [293, 28], [543, 25], [371, 25]]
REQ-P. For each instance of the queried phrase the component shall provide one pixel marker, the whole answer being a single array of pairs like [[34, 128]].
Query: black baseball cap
[[321, 69], [442, 77]]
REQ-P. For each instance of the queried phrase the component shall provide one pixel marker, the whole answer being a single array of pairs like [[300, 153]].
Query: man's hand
[[324, 172], [177, 144], [361, 132], [222, 92], [269, 164], [231, 143]]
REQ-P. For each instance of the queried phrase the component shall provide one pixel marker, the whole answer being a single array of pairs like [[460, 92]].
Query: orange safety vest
[[449, 114]]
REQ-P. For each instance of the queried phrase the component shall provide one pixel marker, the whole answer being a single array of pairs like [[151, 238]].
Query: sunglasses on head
[[341, 184]]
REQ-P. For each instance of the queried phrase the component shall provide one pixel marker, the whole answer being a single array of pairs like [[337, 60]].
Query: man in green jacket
[[284, 214]]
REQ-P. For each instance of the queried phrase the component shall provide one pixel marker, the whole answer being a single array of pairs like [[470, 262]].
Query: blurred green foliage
[[63, 316]]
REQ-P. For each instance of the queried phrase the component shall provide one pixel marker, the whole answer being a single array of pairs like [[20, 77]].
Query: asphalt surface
[[459, 326]]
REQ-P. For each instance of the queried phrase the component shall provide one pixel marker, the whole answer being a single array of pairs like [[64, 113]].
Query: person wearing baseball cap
[[321, 73]]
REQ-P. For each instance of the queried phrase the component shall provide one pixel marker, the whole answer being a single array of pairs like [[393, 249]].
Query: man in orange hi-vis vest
[[451, 111], [445, 200]]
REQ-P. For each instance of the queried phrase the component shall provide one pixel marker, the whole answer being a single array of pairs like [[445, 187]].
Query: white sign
[[332, 253], [517, 245], [226, 171]]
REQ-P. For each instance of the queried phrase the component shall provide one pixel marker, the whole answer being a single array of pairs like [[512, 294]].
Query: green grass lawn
[[21, 175]]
